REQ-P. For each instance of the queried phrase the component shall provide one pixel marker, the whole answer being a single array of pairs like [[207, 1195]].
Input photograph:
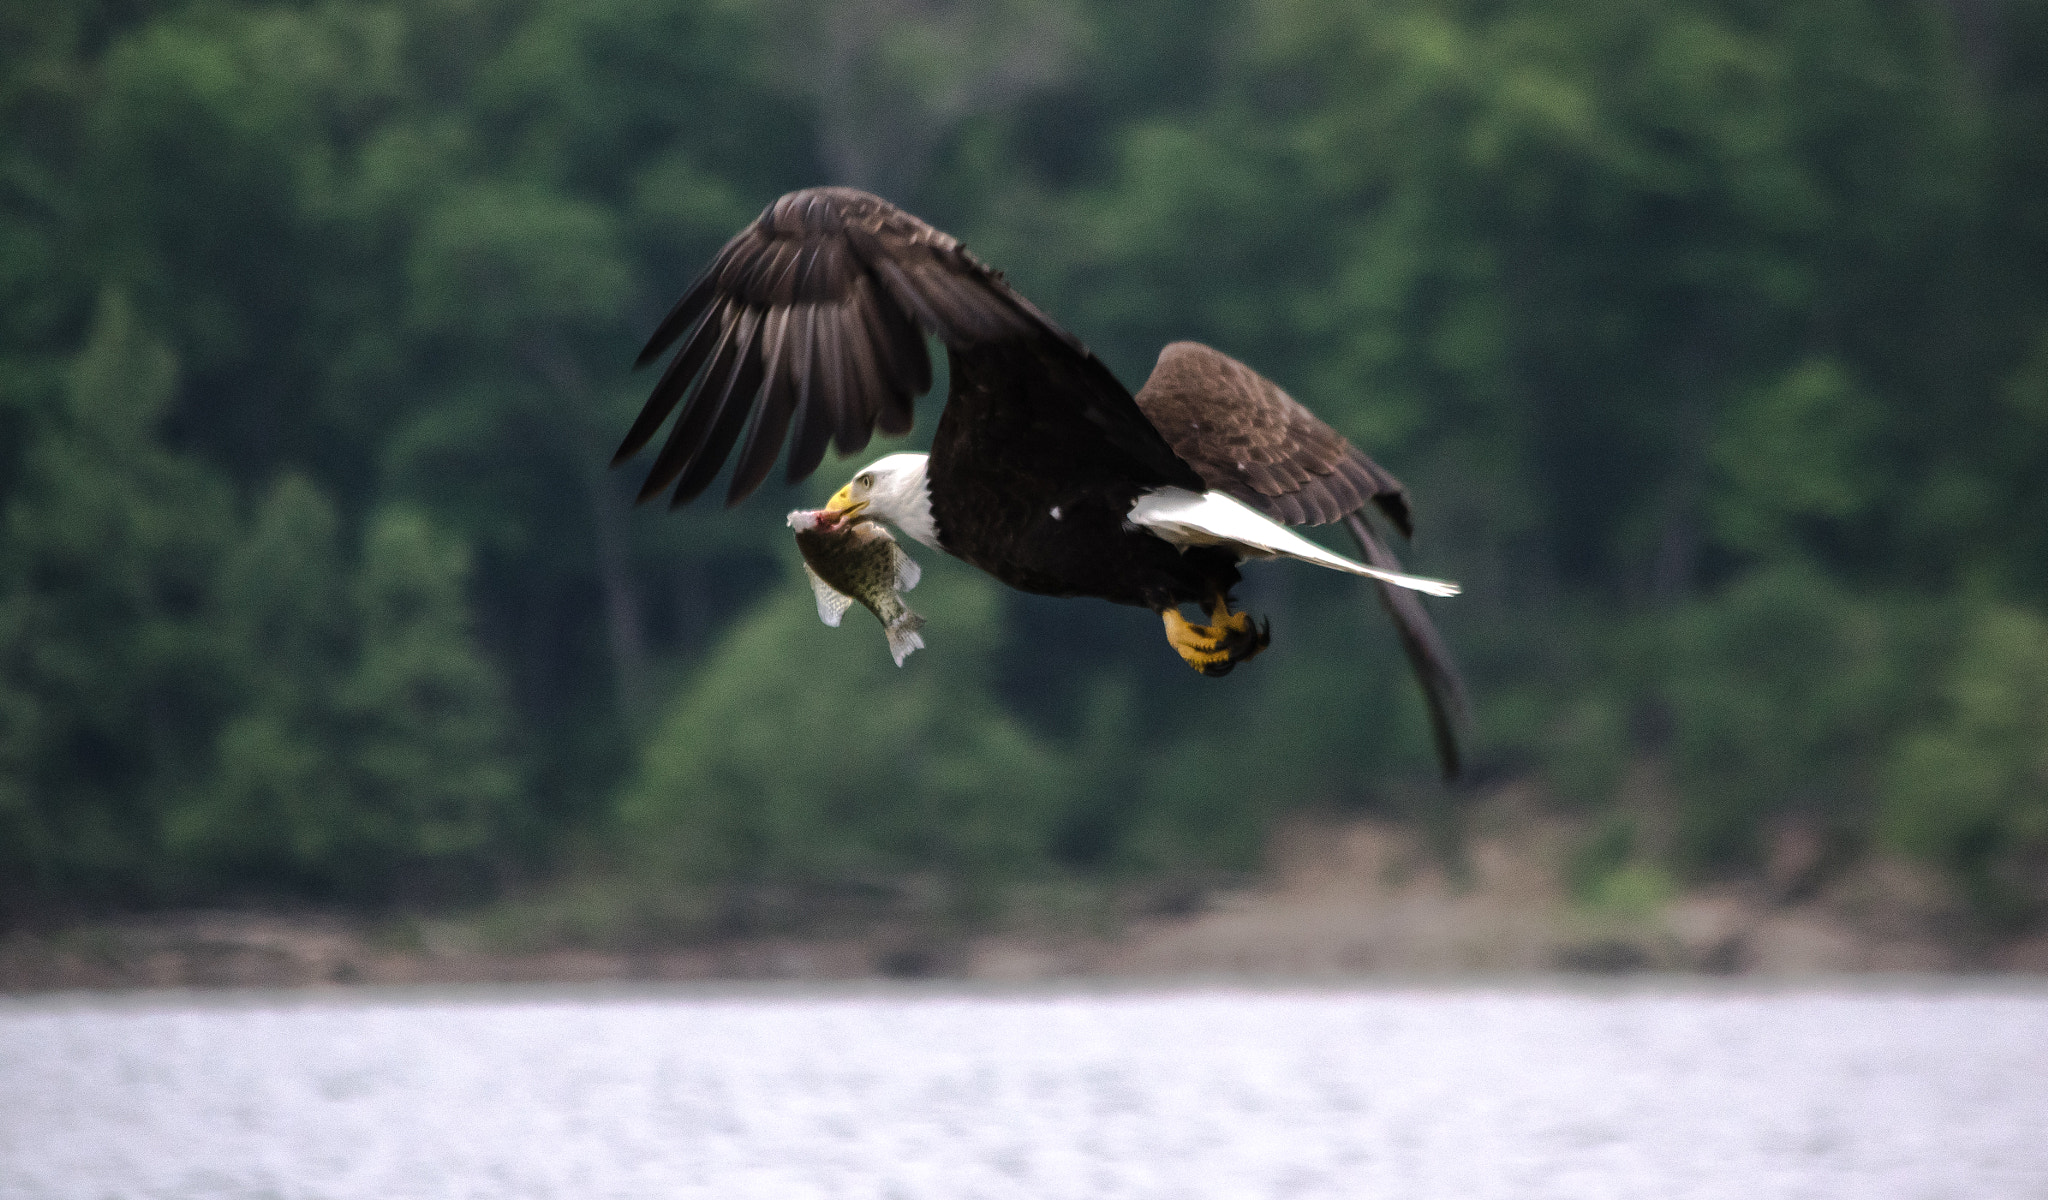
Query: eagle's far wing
[[1249, 439], [1255, 443], [1443, 689], [812, 319]]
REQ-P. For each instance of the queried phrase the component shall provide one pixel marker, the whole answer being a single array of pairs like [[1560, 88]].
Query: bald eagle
[[1044, 471]]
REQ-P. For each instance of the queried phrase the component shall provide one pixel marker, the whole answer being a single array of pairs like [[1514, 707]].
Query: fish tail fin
[[903, 635]]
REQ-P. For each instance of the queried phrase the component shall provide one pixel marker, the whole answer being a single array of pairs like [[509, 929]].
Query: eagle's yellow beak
[[844, 505]]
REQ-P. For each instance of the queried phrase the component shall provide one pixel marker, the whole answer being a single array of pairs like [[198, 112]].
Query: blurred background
[[1710, 336]]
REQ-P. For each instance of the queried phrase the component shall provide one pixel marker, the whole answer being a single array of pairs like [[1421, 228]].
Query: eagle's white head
[[892, 489]]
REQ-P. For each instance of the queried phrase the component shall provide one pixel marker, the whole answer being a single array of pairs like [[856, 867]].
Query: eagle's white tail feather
[[1188, 518]]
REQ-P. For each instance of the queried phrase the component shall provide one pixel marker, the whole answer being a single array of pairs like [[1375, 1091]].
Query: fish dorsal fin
[[907, 570], [832, 603]]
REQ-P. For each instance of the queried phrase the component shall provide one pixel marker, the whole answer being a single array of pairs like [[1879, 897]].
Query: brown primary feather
[[810, 323], [1253, 441], [792, 324]]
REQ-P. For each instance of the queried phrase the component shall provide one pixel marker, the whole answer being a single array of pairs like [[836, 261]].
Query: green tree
[[109, 678], [1782, 693], [1969, 789], [373, 760]]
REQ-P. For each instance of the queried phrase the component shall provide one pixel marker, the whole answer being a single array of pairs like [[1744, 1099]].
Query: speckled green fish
[[849, 561]]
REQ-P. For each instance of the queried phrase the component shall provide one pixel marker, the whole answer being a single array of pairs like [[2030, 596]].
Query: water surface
[[1529, 1093]]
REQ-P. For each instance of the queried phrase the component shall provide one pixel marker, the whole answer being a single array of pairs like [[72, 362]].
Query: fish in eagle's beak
[[843, 507], [860, 562]]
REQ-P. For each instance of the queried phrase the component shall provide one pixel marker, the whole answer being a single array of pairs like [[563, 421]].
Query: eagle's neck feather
[[903, 498]]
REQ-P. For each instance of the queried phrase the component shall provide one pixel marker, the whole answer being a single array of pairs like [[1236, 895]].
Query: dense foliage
[[1712, 337]]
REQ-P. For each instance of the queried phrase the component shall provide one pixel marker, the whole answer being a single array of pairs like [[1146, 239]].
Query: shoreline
[[2031, 986], [1355, 901]]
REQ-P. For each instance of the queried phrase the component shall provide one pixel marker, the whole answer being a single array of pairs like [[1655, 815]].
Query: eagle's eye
[[864, 480]]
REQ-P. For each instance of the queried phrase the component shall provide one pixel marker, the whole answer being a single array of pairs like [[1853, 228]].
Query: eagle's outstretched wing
[[1252, 441], [1255, 442], [813, 318]]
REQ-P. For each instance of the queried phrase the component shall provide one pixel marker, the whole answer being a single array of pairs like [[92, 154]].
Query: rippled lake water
[[1524, 1093]]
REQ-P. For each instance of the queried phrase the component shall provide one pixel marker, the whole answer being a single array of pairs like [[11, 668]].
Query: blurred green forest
[[1711, 337]]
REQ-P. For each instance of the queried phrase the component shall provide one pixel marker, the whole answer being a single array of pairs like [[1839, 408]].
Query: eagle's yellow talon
[[1191, 640], [1215, 649]]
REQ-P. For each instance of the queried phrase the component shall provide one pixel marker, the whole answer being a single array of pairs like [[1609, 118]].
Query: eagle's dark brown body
[[810, 325], [1013, 494]]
